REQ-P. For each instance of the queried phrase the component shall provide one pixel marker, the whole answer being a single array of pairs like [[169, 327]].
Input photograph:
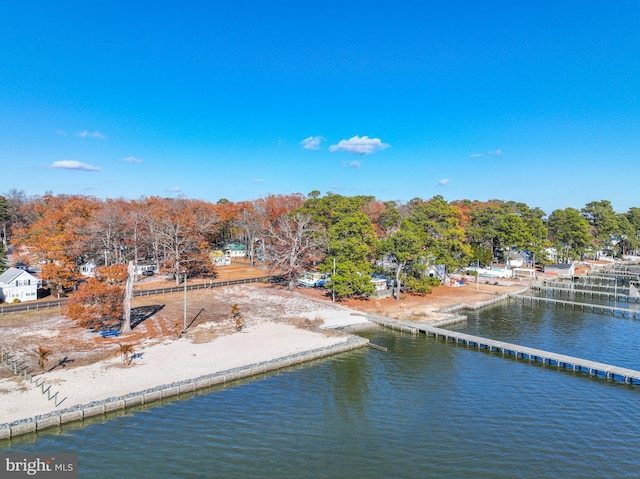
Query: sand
[[268, 335]]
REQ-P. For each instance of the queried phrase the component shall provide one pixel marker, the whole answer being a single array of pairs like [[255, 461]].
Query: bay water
[[423, 409]]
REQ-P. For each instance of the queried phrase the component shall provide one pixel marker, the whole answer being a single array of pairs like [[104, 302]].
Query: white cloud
[[60, 132], [132, 159], [489, 153], [73, 165], [95, 134], [351, 164], [175, 189], [359, 145], [258, 180], [444, 181], [312, 143]]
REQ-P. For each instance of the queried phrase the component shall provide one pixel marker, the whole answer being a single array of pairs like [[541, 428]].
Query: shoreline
[[79, 413], [284, 330]]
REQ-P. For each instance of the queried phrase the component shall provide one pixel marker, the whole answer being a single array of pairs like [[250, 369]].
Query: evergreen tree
[[569, 233]]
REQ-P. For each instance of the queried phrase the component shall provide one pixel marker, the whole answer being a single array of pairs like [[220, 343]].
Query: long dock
[[588, 293], [596, 308], [545, 357], [613, 274], [561, 361]]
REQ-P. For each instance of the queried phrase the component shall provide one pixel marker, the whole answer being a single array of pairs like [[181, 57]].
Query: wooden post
[[126, 323]]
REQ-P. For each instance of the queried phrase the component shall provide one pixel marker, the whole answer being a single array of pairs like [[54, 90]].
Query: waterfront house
[[560, 269], [516, 259], [18, 284]]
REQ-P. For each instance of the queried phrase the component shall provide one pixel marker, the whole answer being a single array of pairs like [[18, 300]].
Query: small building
[[527, 273], [235, 250], [492, 272], [218, 258], [516, 259], [380, 284], [18, 284], [88, 269], [560, 269], [146, 269]]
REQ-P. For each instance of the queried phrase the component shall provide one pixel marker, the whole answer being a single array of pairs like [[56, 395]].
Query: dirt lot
[[423, 307], [161, 317]]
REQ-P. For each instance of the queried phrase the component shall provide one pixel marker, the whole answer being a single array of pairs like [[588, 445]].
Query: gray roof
[[560, 265], [9, 275]]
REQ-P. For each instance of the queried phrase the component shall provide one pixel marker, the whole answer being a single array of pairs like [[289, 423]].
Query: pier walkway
[[596, 308], [615, 274], [584, 285], [560, 361], [612, 296]]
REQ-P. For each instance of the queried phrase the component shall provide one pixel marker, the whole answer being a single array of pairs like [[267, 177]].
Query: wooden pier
[[538, 355], [547, 358], [615, 274], [612, 296], [595, 308]]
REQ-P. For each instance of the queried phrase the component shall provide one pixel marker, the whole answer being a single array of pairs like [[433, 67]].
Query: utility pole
[[333, 288], [184, 328]]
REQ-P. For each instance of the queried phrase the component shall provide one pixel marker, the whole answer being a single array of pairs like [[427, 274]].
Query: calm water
[[422, 409]]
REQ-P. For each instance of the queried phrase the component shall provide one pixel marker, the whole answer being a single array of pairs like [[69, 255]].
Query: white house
[[18, 284], [88, 269], [380, 284], [516, 259], [146, 269]]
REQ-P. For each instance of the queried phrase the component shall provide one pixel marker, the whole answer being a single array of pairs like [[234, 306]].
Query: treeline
[[351, 237]]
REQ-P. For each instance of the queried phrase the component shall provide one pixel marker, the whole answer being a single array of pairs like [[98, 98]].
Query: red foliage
[[96, 304]]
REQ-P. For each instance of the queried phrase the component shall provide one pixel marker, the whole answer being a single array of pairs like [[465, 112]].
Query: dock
[[615, 274], [595, 308], [561, 361], [612, 296], [546, 358]]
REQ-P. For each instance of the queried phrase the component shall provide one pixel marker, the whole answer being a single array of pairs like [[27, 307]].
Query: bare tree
[[179, 227], [251, 220], [295, 242]]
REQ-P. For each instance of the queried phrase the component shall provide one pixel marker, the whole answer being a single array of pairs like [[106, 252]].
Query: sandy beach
[[272, 331]]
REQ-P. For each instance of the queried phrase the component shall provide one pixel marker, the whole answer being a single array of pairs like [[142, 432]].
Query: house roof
[[11, 274], [560, 266]]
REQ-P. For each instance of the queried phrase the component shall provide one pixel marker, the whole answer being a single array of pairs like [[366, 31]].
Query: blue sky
[[537, 102]]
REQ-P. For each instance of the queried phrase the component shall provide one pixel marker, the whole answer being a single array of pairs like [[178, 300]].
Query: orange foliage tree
[[56, 237], [98, 303]]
